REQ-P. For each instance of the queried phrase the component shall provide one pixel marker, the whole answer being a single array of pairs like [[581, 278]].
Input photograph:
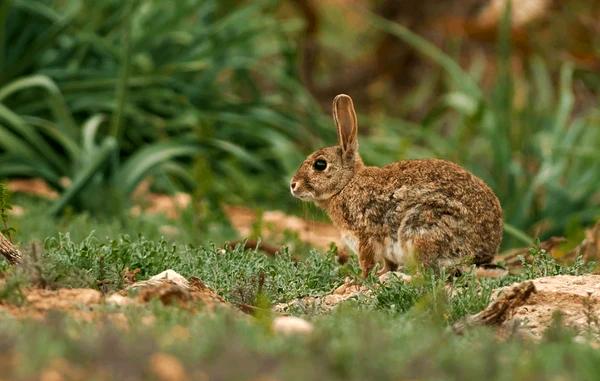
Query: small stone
[[51, 375], [167, 368], [290, 325], [173, 276]]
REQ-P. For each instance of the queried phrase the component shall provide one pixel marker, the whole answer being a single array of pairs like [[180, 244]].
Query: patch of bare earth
[[275, 223], [86, 304], [79, 302], [530, 307]]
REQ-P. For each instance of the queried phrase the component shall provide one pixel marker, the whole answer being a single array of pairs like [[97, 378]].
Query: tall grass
[[213, 81]]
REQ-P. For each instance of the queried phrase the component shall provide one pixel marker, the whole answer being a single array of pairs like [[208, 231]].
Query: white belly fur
[[395, 251], [350, 241]]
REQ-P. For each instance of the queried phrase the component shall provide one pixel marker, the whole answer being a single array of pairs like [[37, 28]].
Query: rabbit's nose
[[293, 185]]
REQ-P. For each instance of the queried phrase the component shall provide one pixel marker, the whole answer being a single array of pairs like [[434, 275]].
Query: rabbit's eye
[[320, 165]]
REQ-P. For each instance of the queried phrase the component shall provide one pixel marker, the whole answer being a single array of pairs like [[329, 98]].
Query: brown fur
[[432, 211]]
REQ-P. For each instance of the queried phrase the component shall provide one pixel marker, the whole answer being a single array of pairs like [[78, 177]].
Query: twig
[[9, 251], [499, 310]]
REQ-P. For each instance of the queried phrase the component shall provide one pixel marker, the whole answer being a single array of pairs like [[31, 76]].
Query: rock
[[529, 307], [291, 325], [170, 287], [167, 368], [172, 276]]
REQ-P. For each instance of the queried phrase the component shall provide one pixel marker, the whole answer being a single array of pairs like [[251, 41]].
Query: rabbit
[[428, 212]]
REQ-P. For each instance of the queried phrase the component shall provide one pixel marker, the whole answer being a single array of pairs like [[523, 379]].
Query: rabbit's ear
[[345, 120]]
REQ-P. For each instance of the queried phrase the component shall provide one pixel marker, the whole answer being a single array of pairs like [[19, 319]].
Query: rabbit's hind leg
[[434, 249]]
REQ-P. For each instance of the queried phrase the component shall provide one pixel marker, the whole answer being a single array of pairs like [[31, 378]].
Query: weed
[[543, 264], [591, 318], [11, 290], [5, 207]]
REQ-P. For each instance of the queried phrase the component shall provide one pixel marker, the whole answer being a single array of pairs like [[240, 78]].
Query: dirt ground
[[526, 308]]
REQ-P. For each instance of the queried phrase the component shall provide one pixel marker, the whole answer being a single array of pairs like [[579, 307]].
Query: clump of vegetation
[[5, 207], [87, 263], [346, 345], [164, 99], [541, 264]]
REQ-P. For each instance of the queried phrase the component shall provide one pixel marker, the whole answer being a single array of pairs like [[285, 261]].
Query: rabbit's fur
[[431, 212]]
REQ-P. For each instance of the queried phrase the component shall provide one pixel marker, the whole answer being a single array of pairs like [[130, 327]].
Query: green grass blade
[[14, 144], [52, 131], [60, 23], [55, 98], [565, 102], [20, 166], [32, 137], [460, 77], [518, 234], [90, 130], [238, 152], [82, 178], [143, 161], [4, 9], [121, 90]]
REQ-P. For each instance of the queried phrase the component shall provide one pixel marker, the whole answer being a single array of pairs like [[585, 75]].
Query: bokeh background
[[223, 99]]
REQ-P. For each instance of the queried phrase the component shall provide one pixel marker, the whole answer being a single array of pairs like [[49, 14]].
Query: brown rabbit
[[429, 212]]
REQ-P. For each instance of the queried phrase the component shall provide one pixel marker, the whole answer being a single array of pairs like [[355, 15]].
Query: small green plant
[[436, 296], [5, 207], [591, 318], [237, 274], [540, 264], [11, 289]]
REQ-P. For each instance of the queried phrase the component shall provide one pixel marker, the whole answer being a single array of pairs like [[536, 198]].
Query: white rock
[[291, 325], [172, 276]]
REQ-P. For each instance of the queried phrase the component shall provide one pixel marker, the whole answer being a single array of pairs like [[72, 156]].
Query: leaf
[[146, 159], [55, 98], [82, 178], [32, 137]]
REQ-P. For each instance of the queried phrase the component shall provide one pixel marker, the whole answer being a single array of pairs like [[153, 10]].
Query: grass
[[347, 345], [401, 332]]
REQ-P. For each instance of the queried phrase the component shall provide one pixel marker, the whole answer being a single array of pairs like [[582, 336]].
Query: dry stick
[[500, 309], [12, 254]]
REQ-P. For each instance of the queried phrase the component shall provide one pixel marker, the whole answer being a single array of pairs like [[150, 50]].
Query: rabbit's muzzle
[[298, 190]]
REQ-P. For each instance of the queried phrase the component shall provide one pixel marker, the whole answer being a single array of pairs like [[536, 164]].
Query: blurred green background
[[225, 98]]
